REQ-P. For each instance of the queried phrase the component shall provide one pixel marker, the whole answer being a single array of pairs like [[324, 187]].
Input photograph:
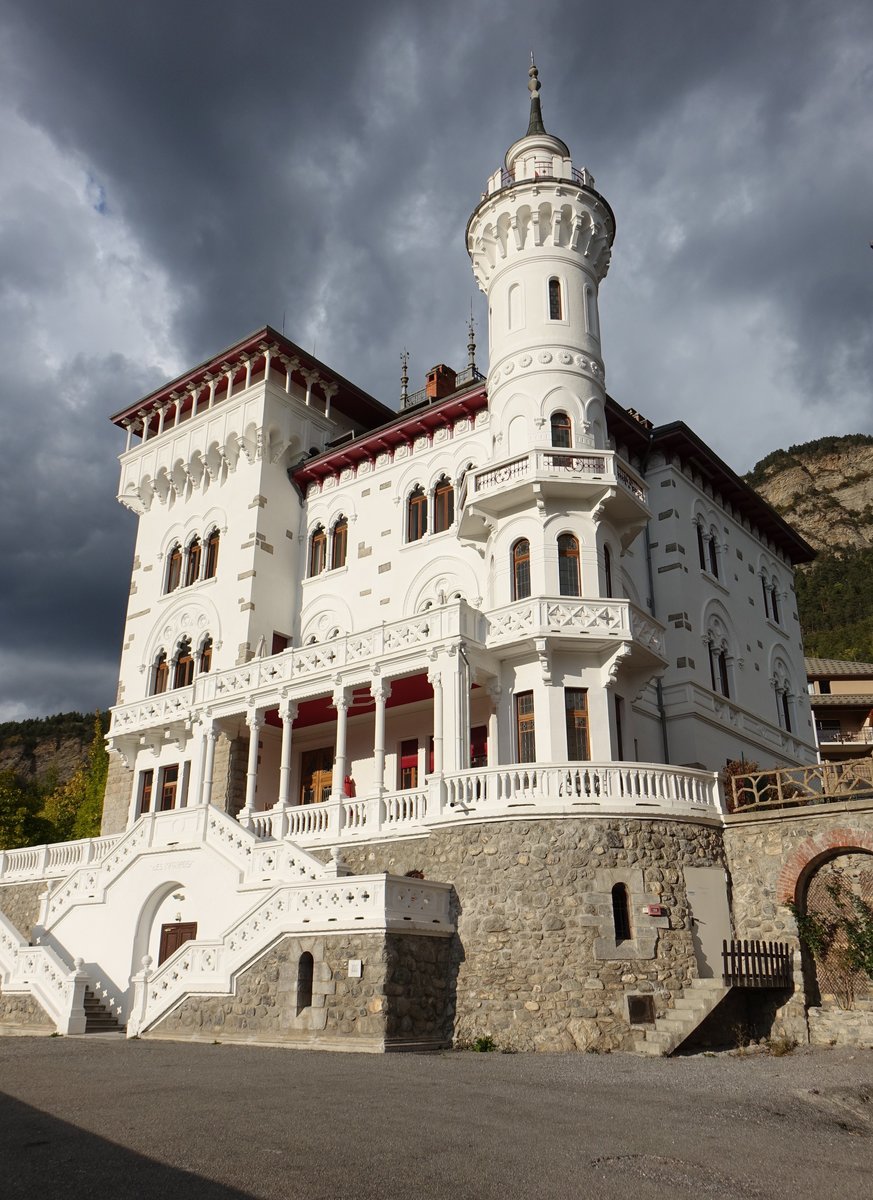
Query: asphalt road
[[95, 1118]]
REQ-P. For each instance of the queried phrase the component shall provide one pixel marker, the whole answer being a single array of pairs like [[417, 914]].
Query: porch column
[[460, 712], [435, 680], [210, 737], [494, 693], [288, 712], [255, 721], [380, 690], [341, 704], [197, 769]]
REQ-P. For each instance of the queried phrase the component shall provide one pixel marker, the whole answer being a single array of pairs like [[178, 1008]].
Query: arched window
[[211, 567], [765, 590], [774, 602], [339, 543], [713, 554], [556, 302], [160, 674], [174, 569], [416, 515], [443, 505], [183, 675], [701, 546], [569, 582], [620, 913], [591, 323], [607, 570], [192, 566], [521, 569], [561, 431], [718, 670], [206, 656], [515, 315], [786, 711], [305, 970], [317, 551]]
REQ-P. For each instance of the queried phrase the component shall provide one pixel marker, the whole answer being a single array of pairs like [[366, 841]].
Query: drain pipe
[[659, 691]]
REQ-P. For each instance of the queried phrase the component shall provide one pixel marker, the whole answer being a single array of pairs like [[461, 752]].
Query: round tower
[[540, 243]]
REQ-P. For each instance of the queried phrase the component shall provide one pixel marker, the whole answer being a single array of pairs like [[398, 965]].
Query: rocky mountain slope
[[48, 750], [825, 490]]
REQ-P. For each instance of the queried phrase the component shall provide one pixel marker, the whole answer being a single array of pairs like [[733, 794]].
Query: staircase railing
[[38, 971]]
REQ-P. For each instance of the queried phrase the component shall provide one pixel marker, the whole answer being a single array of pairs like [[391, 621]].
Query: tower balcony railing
[[544, 169], [565, 474], [595, 621]]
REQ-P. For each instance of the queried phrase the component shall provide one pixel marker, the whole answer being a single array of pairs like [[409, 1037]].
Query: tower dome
[[540, 242]]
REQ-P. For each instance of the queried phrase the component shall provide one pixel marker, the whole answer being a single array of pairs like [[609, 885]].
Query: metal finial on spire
[[404, 377], [471, 344], [535, 125]]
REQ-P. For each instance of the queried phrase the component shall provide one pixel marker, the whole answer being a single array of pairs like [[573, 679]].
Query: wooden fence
[[757, 964]]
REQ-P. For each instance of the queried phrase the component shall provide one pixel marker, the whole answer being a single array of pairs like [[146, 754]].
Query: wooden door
[[175, 935], [316, 775]]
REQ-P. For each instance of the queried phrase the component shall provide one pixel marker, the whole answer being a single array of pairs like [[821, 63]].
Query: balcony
[[598, 624], [583, 479], [835, 735]]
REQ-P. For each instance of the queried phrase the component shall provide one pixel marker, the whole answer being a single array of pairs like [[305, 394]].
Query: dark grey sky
[[175, 174]]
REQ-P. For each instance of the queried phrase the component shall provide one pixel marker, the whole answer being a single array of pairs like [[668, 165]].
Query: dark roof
[[837, 668], [850, 700], [677, 439]]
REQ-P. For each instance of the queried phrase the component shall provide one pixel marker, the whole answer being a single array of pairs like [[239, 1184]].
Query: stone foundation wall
[[229, 774], [23, 1014], [842, 1027], [19, 903], [535, 956], [116, 798], [402, 997]]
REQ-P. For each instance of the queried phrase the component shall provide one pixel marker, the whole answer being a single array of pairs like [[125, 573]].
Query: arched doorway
[[837, 893]]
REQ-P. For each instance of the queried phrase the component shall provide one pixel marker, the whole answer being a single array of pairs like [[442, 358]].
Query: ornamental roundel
[[525, 360], [508, 368], [544, 356], [565, 357]]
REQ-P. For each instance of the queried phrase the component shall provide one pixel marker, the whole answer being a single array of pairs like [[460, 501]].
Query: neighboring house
[[420, 714], [841, 695]]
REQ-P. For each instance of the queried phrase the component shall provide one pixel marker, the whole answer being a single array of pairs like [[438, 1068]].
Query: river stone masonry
[[535, 956], [20, 903]]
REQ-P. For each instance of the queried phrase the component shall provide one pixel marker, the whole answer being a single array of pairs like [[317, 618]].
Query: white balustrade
[[597, 619], [53, 861], [38, 971], [598, 466]]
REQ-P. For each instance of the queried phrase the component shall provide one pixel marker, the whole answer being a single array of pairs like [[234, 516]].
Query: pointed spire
[[404, 377], [471, 344], [535, 125]]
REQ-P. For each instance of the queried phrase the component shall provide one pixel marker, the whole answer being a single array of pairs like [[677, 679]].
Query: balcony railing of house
[[462, 379], [831, 734], [544, 168], [594, 466], [545, 616], [794, 787]]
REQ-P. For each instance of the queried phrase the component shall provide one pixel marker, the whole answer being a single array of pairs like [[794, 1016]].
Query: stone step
[[701, 985]]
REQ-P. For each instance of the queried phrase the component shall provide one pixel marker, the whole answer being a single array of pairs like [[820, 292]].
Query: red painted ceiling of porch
[[406, 690]]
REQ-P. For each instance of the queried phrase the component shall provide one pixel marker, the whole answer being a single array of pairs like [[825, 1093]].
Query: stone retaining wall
[[842, 1027], [403, 996], [23, 1014], [19, 903], [116, 798], [535, 954]]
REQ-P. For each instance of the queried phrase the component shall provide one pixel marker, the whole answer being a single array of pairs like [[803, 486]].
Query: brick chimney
[[440, 382]]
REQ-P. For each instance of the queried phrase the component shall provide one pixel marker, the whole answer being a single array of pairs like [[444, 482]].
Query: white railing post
[[139, 1002], [73, 1019]]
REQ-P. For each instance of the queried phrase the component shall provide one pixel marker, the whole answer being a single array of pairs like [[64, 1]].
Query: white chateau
[[420, 714]]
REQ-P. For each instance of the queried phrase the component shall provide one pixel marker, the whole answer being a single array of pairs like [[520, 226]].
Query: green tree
[[20, 821]]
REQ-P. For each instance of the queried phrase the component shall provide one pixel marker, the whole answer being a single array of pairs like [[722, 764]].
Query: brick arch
[[815, 850]]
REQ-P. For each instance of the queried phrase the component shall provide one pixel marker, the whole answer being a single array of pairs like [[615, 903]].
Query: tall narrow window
[[619, 728], [556, 302], [722, 673], [525, 734], [317, 551], [607, 570], [561, 431], [786, 711], [174, 569], [416, 515], [305, 972], [211, 567], [169, 786], [146, 785], [206, 656], [183, 674], [340, 544], [591, 323], [701, 547], [576, 713], [620, 913], [516, 319], [192, 565], [774, 600], [443, 505], [521, 569], [713, 555], [161, 676], [569, 581], [765, 590], [408, 773]]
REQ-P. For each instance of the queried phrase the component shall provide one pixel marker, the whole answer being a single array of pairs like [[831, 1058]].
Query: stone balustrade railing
[[53, 861], [38, 971], [595, 466], [364, 903], [545, 616]]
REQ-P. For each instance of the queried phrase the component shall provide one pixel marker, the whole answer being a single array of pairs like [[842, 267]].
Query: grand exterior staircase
[[98, 1018], [689, 1011]]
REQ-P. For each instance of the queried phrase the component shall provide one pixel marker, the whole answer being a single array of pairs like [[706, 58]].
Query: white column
[[436, 681], [460, 741], [229, 376], [494, 726], [211, 380], [162, 412], [380, 689], [330, 390], [248, 361], [255, 721], [145, 425], [196, 786], [128, 425], [341, 704], [288, 712], [210, 738]]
